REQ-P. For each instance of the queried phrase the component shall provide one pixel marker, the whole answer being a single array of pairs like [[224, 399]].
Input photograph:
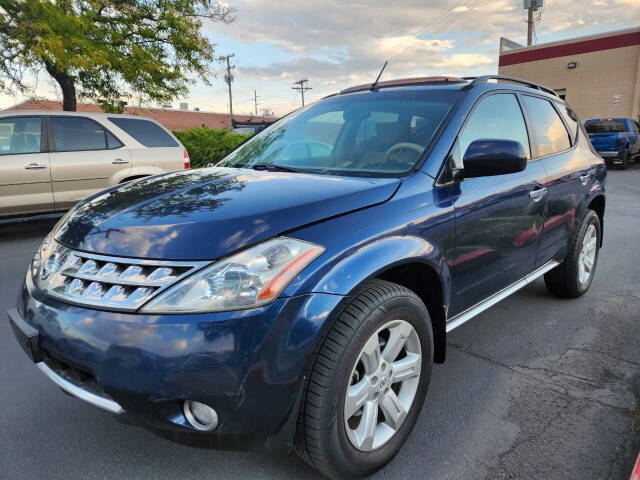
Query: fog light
[[199, 415]]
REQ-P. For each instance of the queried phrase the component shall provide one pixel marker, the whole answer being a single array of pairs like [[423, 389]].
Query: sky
[[336, 44]]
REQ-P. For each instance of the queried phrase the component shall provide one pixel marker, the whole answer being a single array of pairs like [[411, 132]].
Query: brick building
[[170, 119], [599, 75]]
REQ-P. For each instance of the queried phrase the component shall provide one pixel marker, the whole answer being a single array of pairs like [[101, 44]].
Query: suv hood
[[209, 213]]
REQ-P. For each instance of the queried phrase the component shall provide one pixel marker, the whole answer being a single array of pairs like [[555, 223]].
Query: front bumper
[[248, 365]]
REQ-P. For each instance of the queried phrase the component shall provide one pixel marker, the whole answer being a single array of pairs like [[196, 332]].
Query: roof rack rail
[[404, 82], [486, 78]]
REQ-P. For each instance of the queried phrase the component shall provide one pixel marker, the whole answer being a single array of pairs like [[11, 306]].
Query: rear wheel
[[626, 157], [573, 277], [368, 383]]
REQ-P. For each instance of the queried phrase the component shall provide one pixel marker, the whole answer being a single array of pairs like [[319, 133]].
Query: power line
[[435, 26], [301, 86]]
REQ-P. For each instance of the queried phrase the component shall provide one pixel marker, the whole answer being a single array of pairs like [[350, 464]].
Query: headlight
[[248, 279]]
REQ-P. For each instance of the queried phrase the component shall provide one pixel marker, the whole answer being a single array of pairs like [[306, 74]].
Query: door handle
[[35, 166], [585, 178], [537, 194], [120, 161]]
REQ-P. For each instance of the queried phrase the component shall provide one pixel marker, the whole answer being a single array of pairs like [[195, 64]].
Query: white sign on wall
[[616, 99]]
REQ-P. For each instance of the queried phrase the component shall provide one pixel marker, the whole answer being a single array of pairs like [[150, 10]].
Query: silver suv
[[51, 160]]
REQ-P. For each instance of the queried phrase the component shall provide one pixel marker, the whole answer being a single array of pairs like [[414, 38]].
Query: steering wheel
[[402, 146]]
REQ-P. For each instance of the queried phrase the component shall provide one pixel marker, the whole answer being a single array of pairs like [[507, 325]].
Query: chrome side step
[[468, 314], [75, 391]]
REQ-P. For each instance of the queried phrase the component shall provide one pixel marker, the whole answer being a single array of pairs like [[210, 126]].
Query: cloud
[[336, 43]]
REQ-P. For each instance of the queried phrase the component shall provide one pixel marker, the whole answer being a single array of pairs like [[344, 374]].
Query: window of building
[[550, 134], [146, 132], [20, 135]]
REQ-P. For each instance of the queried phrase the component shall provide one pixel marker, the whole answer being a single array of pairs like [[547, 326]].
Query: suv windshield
[[606, 126], [381, 132]]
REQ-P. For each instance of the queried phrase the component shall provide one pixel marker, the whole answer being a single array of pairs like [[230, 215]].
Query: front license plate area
[[26, 335]]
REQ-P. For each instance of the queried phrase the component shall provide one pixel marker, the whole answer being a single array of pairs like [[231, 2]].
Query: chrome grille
[[114, 283]]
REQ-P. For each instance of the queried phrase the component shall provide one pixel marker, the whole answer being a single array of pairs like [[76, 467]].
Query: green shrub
[[206, 145]]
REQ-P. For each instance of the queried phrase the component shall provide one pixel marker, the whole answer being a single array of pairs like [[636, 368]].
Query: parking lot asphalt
[[534, 388]]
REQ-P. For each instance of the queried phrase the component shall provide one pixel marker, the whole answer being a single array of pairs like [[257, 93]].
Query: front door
[[85, 158], [25, 176], [498, 218]]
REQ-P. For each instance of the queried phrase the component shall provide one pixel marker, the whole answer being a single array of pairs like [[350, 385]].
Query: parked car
[[303, 301], [49, 161], [617, 140]]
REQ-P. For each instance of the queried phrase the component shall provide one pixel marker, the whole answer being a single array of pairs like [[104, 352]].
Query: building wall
[[599, 75], [170, 119]]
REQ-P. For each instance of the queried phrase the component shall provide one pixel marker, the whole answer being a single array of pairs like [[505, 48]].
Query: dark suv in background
[[300, 291]]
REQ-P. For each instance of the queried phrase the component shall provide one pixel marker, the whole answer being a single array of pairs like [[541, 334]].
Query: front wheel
[[573, 277], [367, 386]]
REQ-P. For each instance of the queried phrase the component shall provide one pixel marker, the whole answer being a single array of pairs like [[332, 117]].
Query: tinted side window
[[497, 117], [20, 135], [634, 126], [144, 131], [113, 142], [549, 132], [571, 119], [72, 134]]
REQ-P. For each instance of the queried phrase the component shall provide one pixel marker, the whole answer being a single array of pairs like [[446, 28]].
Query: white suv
[[51, 160]]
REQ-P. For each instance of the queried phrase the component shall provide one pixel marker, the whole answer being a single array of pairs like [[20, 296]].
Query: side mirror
[[487, 157]]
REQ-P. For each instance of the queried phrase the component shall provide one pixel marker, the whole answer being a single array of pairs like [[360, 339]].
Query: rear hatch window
[[146, 132], [606, 126]]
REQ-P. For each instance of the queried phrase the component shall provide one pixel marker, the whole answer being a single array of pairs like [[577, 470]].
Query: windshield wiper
[[272, 167]]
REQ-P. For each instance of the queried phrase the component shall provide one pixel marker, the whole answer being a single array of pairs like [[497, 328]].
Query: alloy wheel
[[587, 257], [383, 385]]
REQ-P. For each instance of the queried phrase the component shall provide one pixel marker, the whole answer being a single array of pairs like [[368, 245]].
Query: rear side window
[[550, 134], [606, 126], [571, 119], [20, 135], [73, 134], [146, 132], [113, 142], [497, 117]]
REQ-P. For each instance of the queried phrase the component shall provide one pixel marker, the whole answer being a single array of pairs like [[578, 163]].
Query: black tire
[[321, 438], [626, 155], [563, 281]]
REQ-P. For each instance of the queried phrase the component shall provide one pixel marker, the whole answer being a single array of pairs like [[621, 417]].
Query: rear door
[[25, 176], [568, 168], [498, 218], [85, 158], [159, 149]]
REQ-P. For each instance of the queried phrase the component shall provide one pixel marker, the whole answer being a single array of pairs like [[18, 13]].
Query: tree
[[108, 49]]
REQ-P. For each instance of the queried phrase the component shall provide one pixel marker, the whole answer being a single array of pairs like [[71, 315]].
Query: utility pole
[[531, 6], [530, 24], [301, 86], [255, 102], [229, 78]]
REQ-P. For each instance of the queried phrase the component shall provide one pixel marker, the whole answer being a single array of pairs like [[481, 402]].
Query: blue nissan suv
[[298, 293]]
